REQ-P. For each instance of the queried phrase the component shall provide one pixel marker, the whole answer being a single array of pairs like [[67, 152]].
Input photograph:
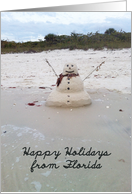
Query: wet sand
[[103, 126]]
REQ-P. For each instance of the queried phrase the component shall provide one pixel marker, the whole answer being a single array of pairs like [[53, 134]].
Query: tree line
[[111, 39]]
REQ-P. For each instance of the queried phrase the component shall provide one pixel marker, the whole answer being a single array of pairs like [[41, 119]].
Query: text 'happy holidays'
[[71, 163]]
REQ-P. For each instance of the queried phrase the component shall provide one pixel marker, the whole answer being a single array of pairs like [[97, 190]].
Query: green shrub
[[111, 39]]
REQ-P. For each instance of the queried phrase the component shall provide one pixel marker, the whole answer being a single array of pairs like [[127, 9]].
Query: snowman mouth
[[70, 71]]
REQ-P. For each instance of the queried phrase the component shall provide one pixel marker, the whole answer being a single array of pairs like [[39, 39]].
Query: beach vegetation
[[110, 31], [110, 39]]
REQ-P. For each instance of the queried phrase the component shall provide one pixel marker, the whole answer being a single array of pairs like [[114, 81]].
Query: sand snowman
[[69, 91]]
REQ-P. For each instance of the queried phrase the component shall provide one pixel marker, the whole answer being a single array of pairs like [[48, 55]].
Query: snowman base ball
[[69, 91], [76, 99]]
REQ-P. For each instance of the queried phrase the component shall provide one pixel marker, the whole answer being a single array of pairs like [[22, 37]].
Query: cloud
[[24, 26], [63, 17]]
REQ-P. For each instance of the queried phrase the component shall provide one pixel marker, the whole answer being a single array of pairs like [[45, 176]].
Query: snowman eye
[[67, 65], [72, 65]]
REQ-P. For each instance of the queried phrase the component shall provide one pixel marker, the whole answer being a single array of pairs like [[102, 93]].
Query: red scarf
[[61, 77]]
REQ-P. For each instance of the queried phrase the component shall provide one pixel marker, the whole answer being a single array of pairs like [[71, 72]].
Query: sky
[[32, 26]]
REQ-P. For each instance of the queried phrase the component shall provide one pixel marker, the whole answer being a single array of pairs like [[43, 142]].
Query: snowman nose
[[69, 67]]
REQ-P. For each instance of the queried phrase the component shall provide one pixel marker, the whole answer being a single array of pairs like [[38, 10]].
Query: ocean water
[[109, 173]]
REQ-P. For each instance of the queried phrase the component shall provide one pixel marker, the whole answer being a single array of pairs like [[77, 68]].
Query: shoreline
[[31, 100]]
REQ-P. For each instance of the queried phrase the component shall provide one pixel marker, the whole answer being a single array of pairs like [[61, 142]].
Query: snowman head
[[70, 69]]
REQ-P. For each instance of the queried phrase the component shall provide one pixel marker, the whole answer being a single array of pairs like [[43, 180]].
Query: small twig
[[96, 69], [51, 67]]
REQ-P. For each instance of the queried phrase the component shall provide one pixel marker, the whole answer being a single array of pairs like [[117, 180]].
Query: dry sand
[[30, 70], [103, 126]]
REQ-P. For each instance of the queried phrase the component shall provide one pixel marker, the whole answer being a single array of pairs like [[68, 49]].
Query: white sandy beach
[[31, 70], [105, 125]]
